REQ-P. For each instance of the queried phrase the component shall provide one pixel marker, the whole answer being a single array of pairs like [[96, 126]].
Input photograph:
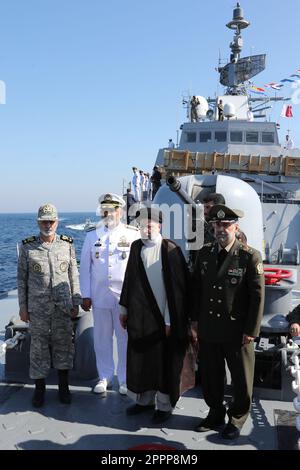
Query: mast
[[239, 70]]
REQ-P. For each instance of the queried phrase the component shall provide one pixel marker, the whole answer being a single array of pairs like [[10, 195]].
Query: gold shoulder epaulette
[[132, 227], [66, 239], [28, 240]]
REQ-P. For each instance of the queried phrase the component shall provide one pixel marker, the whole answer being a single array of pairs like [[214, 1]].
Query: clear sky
[[94, 87]]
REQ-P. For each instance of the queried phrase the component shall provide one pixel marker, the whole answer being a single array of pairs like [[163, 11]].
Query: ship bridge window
[[251, 137], [191, 136], [236, 136], [220, 136], [205, 136], [267, 137]]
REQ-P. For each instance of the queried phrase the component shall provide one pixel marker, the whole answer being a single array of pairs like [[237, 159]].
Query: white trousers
[[106, 322], [137, 193], [149, 398]]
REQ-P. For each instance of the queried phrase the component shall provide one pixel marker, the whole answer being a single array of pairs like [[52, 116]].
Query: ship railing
[[185, 162]]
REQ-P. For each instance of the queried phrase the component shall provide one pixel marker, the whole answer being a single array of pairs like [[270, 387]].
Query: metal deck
[[94, 422]]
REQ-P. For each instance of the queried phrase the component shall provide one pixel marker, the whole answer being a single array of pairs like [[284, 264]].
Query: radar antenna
[[239, 70]]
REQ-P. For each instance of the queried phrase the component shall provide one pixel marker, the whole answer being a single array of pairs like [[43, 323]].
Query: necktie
[[221, 257]]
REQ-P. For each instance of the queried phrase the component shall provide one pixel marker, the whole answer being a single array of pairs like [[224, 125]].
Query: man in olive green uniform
[[49, 296], [229, 300]]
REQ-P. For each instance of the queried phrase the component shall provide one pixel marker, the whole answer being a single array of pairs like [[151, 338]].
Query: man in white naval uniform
[[136, 184], [103, 263]]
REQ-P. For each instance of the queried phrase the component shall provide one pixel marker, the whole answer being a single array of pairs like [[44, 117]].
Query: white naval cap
[[111, 200]]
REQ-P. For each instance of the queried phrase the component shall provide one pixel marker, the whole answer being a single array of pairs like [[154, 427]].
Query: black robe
[[154, 361]]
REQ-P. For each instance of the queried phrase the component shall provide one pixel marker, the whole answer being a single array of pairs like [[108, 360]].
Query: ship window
[[221, 136], [236, 136], [191, 136], [251, 137], [205, 136], [268, 137]]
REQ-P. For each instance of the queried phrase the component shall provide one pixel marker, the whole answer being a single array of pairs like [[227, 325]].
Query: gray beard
[[47, 233]]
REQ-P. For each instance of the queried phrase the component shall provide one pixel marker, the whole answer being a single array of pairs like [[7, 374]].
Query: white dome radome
[[202, 108], [229, 110]]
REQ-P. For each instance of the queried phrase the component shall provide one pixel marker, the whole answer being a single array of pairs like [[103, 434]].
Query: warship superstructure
[[240, 157], [233, 149]]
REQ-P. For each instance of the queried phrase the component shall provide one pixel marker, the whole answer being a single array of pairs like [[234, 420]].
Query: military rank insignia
[[28, 240], [37, 268], [98, 243], [66, 239]]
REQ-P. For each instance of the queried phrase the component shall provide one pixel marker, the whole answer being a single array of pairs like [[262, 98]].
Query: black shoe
[[161, 416], [39, 393], [230, 432], [209, 423], [137, 409], [38, 398], [64, 396]]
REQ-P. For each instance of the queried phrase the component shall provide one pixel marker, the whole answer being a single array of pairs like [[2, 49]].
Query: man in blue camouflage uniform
[[49, 296]]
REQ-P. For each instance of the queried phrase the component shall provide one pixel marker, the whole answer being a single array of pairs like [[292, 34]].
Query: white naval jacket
[[103, 263]]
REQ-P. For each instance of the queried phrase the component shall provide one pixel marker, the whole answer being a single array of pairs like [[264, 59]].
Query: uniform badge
[[233, 280], [97, 254], [98, 243], [237, 272], [124, 255], [259, 268], [63, 266], [37, 268], [123, 243], [47, 209], [220, 214]]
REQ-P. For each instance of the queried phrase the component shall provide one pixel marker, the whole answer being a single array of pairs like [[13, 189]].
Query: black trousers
[[240, 361]]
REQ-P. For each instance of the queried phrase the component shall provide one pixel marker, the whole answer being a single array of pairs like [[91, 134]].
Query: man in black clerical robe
[[156, 320]]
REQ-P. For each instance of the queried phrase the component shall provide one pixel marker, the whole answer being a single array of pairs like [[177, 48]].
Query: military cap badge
[[47, 209], [220, 214]]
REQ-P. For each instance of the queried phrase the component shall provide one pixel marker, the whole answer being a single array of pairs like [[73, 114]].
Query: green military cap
[[222, 213], [47, 212]]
